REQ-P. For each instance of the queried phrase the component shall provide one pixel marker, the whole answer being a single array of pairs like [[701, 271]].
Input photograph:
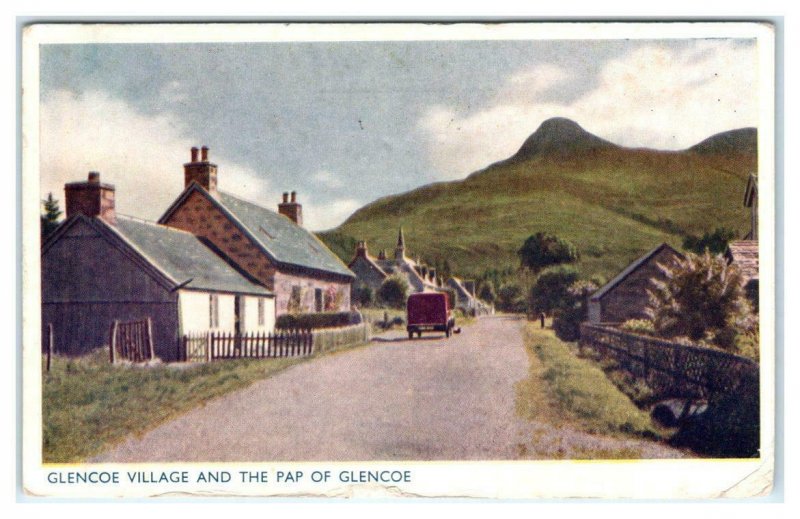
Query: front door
[[238, 315]]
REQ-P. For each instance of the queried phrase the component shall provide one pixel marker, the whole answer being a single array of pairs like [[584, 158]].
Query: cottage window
[[261, 312], [213, 311]]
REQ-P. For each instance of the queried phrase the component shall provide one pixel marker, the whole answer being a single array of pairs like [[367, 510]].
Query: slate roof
[[183, 256], [630, 269], [744, 254], [281, 238]]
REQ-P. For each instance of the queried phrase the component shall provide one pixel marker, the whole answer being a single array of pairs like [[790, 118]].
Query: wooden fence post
[[150, 338], [49, 344], [113, 345], [208, 346]]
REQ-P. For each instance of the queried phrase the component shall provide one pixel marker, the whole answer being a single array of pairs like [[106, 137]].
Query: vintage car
[[429, 311]]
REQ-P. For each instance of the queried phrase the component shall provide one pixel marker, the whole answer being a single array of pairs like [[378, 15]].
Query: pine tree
[[49, 219]]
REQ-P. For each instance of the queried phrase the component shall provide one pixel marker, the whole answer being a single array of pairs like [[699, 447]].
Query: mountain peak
[[560, 136]]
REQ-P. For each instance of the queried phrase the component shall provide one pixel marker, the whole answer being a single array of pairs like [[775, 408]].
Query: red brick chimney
[[291, 209], [92, 198], [201, 171]]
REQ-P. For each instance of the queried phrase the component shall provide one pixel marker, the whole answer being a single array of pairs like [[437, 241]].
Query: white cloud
[[327, 179], [142, 155], [319, 216], [654, 96]]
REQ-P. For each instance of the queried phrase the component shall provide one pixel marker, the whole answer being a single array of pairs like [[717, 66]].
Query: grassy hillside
[[613, 203]]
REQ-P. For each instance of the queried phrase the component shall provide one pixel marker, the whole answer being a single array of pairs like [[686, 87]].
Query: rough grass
[[579, 390], [89, 405], [613, 207]]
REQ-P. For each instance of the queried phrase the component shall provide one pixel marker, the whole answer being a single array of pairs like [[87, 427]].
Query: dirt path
[[425, 399]]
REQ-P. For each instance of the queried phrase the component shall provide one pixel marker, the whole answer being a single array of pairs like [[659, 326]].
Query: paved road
[[397, 399]]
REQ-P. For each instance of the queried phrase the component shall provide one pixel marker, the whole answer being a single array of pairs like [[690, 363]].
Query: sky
[[345, 123]]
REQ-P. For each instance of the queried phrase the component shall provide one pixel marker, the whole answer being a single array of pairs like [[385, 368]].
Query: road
[[397, 399]]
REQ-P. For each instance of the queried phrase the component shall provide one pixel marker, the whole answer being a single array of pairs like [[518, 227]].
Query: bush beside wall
[[317, 320]]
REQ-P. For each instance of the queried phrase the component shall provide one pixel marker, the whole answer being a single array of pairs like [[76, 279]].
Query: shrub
[[543, 250], [701, 299], [640, 326], [363, 296], [486, 293], [568, 318], [715, 242], [550, 291], [317, 320], [393, 292], [509, 298]]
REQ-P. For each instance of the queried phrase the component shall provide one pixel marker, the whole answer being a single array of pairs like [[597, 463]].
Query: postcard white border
[[652, 479]]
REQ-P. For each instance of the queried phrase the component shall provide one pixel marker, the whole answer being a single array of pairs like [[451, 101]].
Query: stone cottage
[[272, 247], [626, 296]]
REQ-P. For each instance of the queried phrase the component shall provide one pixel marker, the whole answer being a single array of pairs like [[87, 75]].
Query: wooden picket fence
[[131, 341], [209, 346]]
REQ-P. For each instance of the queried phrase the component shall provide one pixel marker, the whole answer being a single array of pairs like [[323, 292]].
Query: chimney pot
[[94, 177], [194, 153], [204, 154], [285, 198], [294, 196]]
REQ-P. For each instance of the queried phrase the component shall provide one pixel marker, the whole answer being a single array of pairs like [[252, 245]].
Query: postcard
[[499, 261]]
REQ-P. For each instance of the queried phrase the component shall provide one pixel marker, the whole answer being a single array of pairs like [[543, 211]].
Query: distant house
[[626, 296], [465, 294], [272, 247], [99, 266], [372, 272]]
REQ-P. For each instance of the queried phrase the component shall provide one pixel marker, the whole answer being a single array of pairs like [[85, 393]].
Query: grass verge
[[89, 405], [579, 391]]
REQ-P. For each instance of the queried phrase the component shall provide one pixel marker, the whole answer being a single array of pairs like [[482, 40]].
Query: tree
[[574, 310], [510, 298], [486, 293], [702, 299], [716, 242], [550, 291], [49, 219], [393, 292], [363, 296], [543, 250]]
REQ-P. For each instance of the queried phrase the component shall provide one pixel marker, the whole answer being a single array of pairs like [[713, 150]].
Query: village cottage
[[273, 248], [372, 272], [212, 262], [744, 253], [626, 296]]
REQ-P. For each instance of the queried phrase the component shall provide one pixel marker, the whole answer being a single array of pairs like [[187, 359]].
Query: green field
[[613, 203]]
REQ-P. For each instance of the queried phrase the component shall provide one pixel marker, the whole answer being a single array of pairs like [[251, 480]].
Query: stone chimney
[[361, 249], [432, 275], [201, 171], [92, 198], [382, 254], [291, 209]]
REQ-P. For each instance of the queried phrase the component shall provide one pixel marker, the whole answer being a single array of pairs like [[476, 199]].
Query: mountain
[[612, 202], [560, 137], [742, 141]]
